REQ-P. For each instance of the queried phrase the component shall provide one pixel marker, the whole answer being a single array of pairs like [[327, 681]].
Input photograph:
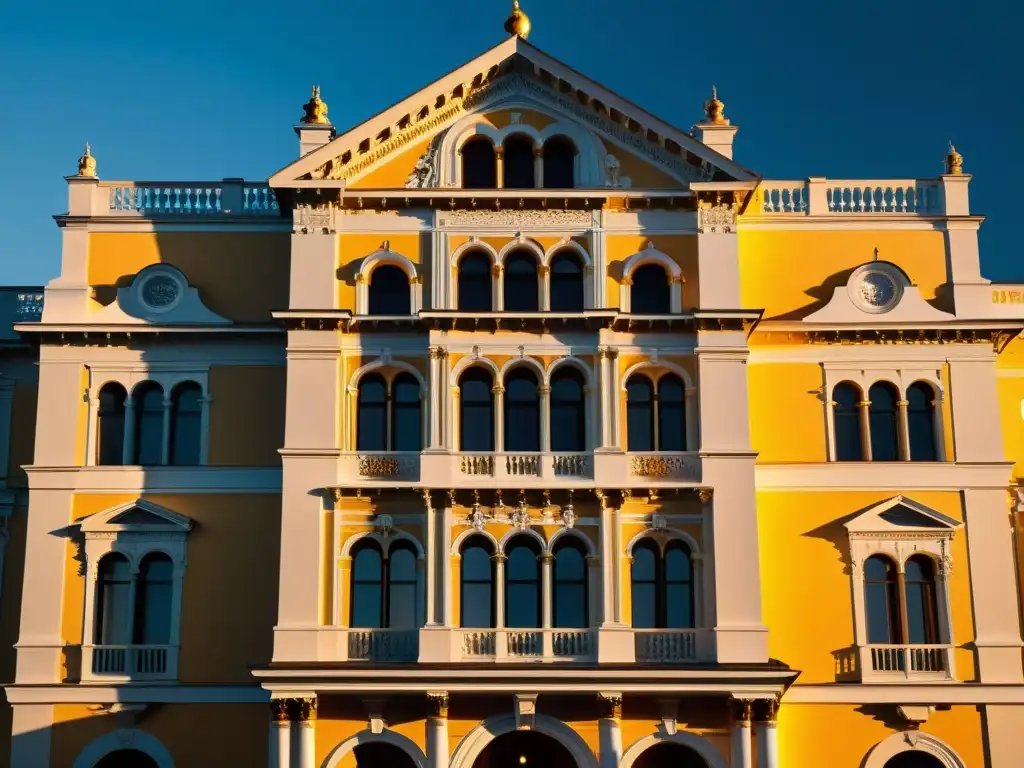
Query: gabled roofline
[[875, 510], [100, 521]]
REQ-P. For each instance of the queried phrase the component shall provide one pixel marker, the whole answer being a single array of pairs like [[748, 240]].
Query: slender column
[[903, 429], [434, 398], [448, 584], [741, 747], [432, 559], [92, 427], [603, 372], [499, 417], [351, 437], [608, 558], [165, 449], [128, 455], [545, 417], [593, 590], [498, 288], [304, 733], [279, 751], [455, 437], [204, 429], [546, 598], [692, 414], [864, 407], [538, 167], [437, 729], [499, 589], [767, 733], [901, 589], [609, 732], [544, 287], [617, 563], [940, 428], [344, 589], [613, 400], [499, 167]]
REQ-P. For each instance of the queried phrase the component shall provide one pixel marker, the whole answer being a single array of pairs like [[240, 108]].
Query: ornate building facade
[[515, 426]]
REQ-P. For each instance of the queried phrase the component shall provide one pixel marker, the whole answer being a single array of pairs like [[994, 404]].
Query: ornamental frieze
[[525, 219]]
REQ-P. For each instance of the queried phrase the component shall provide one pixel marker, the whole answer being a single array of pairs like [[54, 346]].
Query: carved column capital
[[437, 704], [742, 710], [296, 710], [767, 710], [610, 703]]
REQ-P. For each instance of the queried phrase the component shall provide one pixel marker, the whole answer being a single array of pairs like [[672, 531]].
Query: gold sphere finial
[[954, 162], [87, 164], [518, 23], [714, 109], [315, 109]]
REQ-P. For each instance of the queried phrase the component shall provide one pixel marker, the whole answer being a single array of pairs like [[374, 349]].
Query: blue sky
[[201, 91]]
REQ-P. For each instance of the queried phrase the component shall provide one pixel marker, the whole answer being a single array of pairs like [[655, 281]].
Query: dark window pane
[[389, 291], [372, 418], [402, 611], [367, 575], [476, 421], [645, 605], [479, 169], [568, 411], [922, 622], [639, 414], [153, 600], [649, 294], [644, 589], [678, 587], [846, 416], [149, 418], [882, 418], [111, 426], [921, 422], [671, 413], [570, 593], [522, 411], [518, 163], [186, 424], [566, 283], [522, 580], [881, 600], [113, 595], [522, 564], [406, 422], [477, 600], [475, 283], [559, 162], [521, 286]]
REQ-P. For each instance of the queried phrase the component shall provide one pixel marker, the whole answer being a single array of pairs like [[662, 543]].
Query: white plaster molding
[[385, 361], [879, 281], [570, 245], [160, 479], [387, 256], [457, 543], [109, 693], [896, 476], [386, 543], [183, 305], [573, 362], [572, 533], [912, 741], [521, 243], [474, 742], [469, 362], [514, 533], [661, 367], [701, 746], [408, 746], [124, 738], [663, 536], [474, 244]]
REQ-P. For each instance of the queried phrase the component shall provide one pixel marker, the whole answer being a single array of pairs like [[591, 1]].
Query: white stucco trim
[[386, 543], [461, 538], [568, 244], [570, 533], [124, 738], [474, 244], [524, 361], [386, 256], [521, 243], [651, 255], [701, 746], [381, 257], [661, 368], [912, 741], [663, 537], [408, 746], [573, 362], [387, 362], [468, 362], [474, 742], [529, 533]]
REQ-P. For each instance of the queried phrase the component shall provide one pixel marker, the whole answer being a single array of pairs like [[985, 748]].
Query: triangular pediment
[[139, 515], [514, 74], [902, 515]]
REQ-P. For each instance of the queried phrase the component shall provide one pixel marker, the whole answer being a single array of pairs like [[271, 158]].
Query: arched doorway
[[669, 755], [378, 754], [913, 759], [127, 758], [525, 749]]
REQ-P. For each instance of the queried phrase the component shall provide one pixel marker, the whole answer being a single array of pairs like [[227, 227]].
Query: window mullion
[[901, 599], [656, 422], [385, 590]]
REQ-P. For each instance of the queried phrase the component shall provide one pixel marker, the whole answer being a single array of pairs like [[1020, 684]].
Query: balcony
[[482, 470], [513, 645], [114, 663], [829, 197], [895, 663], [669, 646]]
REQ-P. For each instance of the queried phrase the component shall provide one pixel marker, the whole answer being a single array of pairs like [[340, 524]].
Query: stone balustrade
[[820, 196], [183, 199]]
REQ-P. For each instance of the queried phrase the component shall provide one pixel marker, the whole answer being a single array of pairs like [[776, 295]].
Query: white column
[[608, 558], [546, 603], [692, 416], [741, 747], [165, 448], [304, 734], [204, 429], [864, 411], [609, 733], [544, 287], [445, 564], [499, 589], [128, 452], [617, 563], [603, 372], [499, 416], [437, 730], [279, 751], [613, 398], [545, 417], [92, 428], [434, 399], [939, 428], [454, 441], [538, 167], [903, 429], [497, 288], [768, 734], [432, 559]]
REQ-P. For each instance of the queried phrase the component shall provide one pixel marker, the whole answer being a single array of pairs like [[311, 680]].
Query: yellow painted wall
[[246, 415], [806, 596], [501, 118], [681, 248], [229, 599], [395, 172], [240, 275], [791, 273], [787, 416], [643, 175]]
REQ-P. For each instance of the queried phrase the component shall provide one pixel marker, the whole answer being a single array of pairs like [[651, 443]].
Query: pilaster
[[718, 252], [313, 282]]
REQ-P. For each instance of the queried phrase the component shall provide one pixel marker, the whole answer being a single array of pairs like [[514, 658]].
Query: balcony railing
[[529, 644], [819, 196], [667, 646], [395, 645], [183, 199], [130, 662], [895, 663]]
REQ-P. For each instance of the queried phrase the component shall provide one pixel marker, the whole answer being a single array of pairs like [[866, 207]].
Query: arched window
[[521, 286], [402, 612], [650, 293], [522, 411], [566, 283], [678, 598], [671, 413], [372, 417], [477, 597], [921, 422], [113, 601], [639, 413], [559, 163], [570, 593], [518, 163], [186, 424], [111, 426], [406, 422], [882, 601], [153, 595], [644, 584], [568, 411], [475, 283], [476, 417], [922, 609], [846, 421], [479, 166], [882, 419], [389, 291], [148, 399], [522, 583], [367, 609], [127, 758]]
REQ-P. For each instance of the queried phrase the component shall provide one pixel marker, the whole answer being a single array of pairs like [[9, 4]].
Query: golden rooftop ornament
[[87, 164], [954, 162], [315, 109], [714, 109], [518, 23]]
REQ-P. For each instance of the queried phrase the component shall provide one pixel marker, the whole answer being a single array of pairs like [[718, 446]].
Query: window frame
[[661, 541]]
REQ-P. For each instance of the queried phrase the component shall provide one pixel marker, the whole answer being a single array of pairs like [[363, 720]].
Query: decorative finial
[[518, 23], [954, 162], [315, 109], [714, 109], [87, 164]]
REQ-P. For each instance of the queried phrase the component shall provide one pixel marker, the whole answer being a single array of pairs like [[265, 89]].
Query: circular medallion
[[160, 289], [876, 288]]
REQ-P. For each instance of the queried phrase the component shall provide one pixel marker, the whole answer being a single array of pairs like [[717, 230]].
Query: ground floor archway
[[525, 749], [670, 755], [127, 758], [913, 759], [379, 754]]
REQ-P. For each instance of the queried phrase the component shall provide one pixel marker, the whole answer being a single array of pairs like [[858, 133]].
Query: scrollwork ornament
[[477, 519], [520, 517], [716, 218]]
